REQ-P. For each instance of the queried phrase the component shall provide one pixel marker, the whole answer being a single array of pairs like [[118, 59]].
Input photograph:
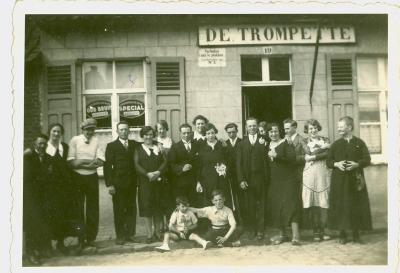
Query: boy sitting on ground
[[181, 226], [222, 231]]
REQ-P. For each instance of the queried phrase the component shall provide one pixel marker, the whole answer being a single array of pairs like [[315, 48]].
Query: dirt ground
[[372, 252]]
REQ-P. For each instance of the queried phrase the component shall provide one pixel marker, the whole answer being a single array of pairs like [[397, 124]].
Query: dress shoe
[[342, 238], [62, 248], [132, 239], [119, 241], [296, 242], [34, 260]]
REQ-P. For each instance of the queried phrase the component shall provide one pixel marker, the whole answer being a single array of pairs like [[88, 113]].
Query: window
[[272, 70], [114, 91], [372, 104]]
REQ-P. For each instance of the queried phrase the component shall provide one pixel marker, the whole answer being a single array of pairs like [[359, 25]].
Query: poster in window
[[132, 110], [100, 110]]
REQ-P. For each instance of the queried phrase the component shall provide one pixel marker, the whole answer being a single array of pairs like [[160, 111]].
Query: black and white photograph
[[193, 138]]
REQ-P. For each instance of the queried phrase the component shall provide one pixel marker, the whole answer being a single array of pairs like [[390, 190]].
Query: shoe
[[163, 248], [149, 240], [90, 244], [207, 245], [280, 239], [132, 239], [236, 243], [296, 242], [342, 238], [119, 241], [33, 260], [325, 237], [317, 237], [62, 248], [260, 236]]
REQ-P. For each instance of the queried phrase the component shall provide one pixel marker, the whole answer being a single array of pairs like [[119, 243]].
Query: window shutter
[[168, 92], [342, 91], [60, 97]]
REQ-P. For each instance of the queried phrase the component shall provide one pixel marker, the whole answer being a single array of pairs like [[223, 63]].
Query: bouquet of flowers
[[221, 169], [317, 146]]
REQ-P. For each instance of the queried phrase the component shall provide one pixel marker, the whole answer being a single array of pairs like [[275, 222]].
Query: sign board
[[131, 109], [100, 109], [274, 34], [212, 57]]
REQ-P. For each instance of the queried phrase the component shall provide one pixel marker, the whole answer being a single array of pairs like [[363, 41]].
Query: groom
[[253, 178]]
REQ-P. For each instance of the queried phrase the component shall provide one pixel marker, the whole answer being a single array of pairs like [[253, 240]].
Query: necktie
[[57, 154], [187, 147], [151, 151], [126, 144]]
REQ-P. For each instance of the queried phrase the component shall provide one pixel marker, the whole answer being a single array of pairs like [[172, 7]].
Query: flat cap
[[89, 123]]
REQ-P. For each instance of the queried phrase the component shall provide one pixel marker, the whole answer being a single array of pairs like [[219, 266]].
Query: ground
[[372, 252]]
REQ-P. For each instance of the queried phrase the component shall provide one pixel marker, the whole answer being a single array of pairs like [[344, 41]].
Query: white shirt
[[233, 142], [123, 141], [293, 137], [253, 139], [79, 149], [51, 150], [187, 144], [218, 217], [182, 220]]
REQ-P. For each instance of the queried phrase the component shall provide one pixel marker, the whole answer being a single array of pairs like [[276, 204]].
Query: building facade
[[142, 68]]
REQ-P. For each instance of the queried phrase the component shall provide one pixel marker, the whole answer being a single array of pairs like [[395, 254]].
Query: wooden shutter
[[60, 97], [168, 92], [342, 91]]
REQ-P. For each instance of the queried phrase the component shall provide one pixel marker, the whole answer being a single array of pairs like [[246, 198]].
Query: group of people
[[261, 180]]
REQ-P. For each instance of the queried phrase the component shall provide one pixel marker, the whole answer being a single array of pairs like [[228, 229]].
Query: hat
[[89, 123]]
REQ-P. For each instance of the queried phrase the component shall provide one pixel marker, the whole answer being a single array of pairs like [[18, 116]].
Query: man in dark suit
[[120, 178], [37, 170], [297, 141], [182, 160], [252, 175], [232, 143]]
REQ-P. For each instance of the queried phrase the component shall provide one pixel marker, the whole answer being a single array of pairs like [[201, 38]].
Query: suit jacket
[[298, 144], [119, 168], [178, 156], [243, 160]]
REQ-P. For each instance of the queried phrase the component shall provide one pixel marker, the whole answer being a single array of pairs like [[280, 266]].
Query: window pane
[[97, 75], [251, 69], [279, 69], [368, 104], [371, 134], [132, 109], [367, 73], [99, 108], [129, 74]]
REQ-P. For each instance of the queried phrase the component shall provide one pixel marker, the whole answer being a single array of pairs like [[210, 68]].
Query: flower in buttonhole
[[221, 169], [262, 141]]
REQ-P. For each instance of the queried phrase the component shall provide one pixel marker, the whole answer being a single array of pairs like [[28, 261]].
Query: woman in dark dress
[[150, 164], [348, 198], [212, 168], [59, 193], [284, 193]]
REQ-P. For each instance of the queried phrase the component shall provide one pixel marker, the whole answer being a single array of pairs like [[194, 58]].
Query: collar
[[293, 136], [86, 140], [233, 142], [348, 139], [186, 142], [123, 141], [273, 144], [51, 150], [253, 138], [212, 145], [155, 148], [198, 136], [215, 210]]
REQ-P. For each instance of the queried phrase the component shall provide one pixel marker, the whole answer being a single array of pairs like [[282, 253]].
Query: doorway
[[267, 103]]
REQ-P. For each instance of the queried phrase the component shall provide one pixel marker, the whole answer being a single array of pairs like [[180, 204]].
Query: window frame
[[265, 72], [381, 89], [114, 92]]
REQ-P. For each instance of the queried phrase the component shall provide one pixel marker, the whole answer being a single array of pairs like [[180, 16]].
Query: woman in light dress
[[316, 179]]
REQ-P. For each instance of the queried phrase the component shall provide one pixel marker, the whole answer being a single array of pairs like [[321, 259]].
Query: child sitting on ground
[[223, 231], [181, 226]]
